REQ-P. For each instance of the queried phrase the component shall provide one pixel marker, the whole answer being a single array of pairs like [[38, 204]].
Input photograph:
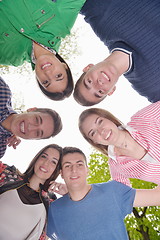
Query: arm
[[147, 197]]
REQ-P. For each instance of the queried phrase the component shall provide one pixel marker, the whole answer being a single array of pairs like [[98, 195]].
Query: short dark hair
[[30, 170], [57, 96], [78, 96], [56, 119], [67, 150]]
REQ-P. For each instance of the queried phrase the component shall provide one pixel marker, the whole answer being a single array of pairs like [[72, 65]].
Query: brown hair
[[30, 170], [67, 150], [102, 113]]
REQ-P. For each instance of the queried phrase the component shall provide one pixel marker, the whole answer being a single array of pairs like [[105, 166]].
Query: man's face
[[32, 125], [74, 170], [98, 82]]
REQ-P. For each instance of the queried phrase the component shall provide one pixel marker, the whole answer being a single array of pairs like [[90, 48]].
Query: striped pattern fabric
[[5, 111], [146, 124]]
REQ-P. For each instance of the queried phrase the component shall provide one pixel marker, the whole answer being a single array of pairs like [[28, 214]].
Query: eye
[[67, 166], [100, 91], [100, 121], [59, 75], [54, 162], [45, 82], [80, 164], [43, 156]]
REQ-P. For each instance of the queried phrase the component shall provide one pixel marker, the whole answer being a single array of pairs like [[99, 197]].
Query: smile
[[43, 169], [45, 65], [105, 76], [108, 135], [22, 127]]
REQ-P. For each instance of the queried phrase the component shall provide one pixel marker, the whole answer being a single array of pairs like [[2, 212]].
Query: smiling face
[[98, 82], [74, 170], [51, 73], [100, 130], [46, 164], [32, 125]]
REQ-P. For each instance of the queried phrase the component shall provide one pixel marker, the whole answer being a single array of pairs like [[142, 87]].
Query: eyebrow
[[48, 155], [71, 163], [60, 79]]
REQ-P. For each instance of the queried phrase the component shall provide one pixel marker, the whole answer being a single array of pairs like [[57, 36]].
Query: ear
[[87, 67], [112, 91], [31, 109], [61, 174]]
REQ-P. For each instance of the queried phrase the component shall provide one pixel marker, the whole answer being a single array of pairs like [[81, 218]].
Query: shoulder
[[112, 187], [149, 111]]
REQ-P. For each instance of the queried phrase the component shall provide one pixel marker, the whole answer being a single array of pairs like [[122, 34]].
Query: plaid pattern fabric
[[5, 111]]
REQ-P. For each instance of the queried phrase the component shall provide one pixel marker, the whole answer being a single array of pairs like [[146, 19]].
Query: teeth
[[108, 135], [104, 75], [22, 127], [46, 65], [43, 169]]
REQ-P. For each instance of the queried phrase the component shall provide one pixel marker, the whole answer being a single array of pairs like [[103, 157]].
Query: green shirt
[[43, 21]]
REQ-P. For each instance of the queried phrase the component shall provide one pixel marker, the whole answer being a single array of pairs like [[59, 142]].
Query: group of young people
[[32, 31]]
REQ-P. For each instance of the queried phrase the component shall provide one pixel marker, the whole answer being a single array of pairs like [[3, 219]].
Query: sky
[[123, 103]]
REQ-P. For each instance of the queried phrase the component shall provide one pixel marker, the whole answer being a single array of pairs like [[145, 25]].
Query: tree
[[143, 223]]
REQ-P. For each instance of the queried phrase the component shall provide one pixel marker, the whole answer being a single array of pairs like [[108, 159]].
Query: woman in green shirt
[[32, 31]]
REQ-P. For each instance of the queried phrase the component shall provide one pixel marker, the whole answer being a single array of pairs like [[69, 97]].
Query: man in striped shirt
[[37, 123]]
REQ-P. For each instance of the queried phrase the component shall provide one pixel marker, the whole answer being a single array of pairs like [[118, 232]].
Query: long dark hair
[[67, 92], [30, 170]]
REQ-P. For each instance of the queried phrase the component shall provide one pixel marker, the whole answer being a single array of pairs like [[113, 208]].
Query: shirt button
[[6, 34], [22, 29], [43, 11]]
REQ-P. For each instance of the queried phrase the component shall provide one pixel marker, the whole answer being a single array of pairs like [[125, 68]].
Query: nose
[[100, 131], [100, 81], [32, 127], [74, 168]]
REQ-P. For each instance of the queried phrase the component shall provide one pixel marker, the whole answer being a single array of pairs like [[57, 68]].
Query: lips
[[73, 178], [22, 127], [108, 135], [46, 65], [43, 169], [105, 76]]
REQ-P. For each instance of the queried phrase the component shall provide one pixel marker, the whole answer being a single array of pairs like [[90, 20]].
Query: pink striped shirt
[[146, 125]]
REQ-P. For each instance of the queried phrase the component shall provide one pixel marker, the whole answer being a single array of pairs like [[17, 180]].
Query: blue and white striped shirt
[[5, 110]]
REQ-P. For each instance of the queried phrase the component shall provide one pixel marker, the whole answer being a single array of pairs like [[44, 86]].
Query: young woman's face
[[100, 130], [51, 73], [46, 164]]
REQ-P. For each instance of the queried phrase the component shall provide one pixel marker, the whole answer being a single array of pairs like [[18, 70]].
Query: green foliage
[[143, 223]]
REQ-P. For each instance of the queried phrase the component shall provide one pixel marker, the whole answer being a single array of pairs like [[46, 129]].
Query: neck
[[79, 194], [119, 60], [129, 147], [8, 122], [39, 50], [34, 183]]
